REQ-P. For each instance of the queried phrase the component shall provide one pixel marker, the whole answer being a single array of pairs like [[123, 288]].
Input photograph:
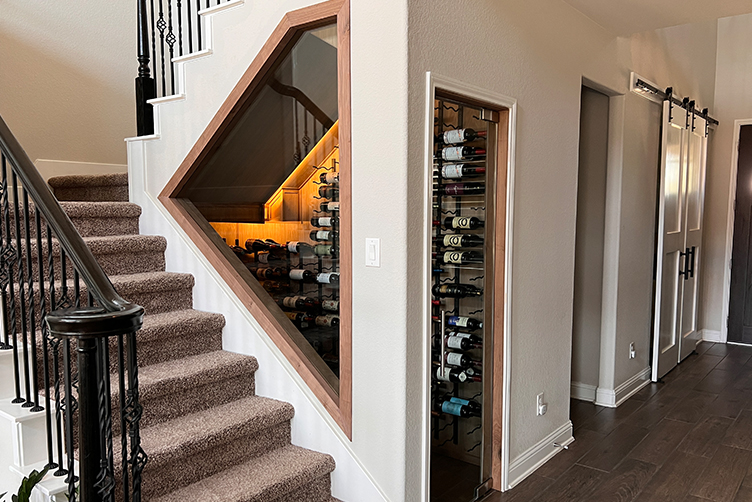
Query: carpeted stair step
[[117, 255], [157, 292], [91, 219], [183, 386], [193, 447], [95, 188], [283, 475]]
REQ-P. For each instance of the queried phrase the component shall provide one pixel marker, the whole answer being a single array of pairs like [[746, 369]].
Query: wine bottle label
[[454, 241], [453, 257], [460, 334], [444, 377], [452, 153], [451, 408], [452, 171], [331, 206], [297, 274], [263, 258], [325, 221], [458, 321], [454, 342], [292, 246], [456, 136], [326, 320], [331, 178], [461, 222], [322, 250], [330, 305], [290, 301], [459, 400], [328, 278], [323, 235], [454, 359]]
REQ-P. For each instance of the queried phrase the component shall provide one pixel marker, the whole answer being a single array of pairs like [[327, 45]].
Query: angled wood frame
[[335, 394]]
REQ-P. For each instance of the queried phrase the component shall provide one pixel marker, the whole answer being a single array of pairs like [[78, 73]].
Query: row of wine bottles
[[304, 320], [279, 255], [296, 274], [456, 136], [457, 406]]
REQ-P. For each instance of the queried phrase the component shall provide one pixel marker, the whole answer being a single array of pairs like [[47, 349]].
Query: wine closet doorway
[[469, 213]]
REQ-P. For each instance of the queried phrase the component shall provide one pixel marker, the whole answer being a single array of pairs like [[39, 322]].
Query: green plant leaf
[[28, 484]]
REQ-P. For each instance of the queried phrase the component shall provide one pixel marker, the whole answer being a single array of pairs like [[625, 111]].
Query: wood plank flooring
[[688, 439]]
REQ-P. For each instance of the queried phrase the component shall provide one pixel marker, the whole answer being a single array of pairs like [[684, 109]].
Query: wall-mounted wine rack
[[462, 286]]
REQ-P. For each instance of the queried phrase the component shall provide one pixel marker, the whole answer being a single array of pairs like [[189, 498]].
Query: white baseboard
[[539, 454], [583, 391], [50, 168], [612, 398], [711, 335]]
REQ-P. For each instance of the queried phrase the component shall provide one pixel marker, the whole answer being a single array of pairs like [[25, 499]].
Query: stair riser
[[162, 477], [117, 193], [112, 264], [86, 226], [318, 490]]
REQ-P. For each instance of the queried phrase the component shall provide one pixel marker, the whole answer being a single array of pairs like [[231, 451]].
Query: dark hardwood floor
[[688, 439]]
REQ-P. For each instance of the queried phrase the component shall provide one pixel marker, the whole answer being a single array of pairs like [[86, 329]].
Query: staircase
[[208, 436]]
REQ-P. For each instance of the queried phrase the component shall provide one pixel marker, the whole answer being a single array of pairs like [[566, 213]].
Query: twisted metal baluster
[[6, 256], [171, 43], [123, 424], [55, 344], [9, 258], [64, 300], [32, 307], [153, 41], [306, 139], [161, 25], [133, 409], [105, 481], [296, 156], [22, 296], [180, 28], [188, 18], [70, 405]]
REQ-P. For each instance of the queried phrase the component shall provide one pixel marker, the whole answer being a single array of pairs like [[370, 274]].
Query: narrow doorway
[[740, 299], [589, 240]]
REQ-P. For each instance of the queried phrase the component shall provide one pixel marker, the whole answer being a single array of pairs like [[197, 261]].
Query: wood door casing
[[740, 300]]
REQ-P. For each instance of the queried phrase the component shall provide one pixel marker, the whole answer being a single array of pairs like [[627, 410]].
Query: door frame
[[730, 228], [502, 335]]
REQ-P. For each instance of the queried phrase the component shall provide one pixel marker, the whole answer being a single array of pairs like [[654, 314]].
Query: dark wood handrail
[[303, 99], [71, 241]]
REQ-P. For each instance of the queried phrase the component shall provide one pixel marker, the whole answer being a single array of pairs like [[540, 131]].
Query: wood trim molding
[[334, 394]]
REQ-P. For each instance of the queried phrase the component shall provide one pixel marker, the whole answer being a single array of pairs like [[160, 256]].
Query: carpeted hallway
[[207, 435]]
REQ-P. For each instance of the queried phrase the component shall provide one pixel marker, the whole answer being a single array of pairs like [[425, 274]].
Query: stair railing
[[56, 299]]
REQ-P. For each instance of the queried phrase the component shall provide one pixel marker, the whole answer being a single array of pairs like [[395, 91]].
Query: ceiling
[[625, 17]]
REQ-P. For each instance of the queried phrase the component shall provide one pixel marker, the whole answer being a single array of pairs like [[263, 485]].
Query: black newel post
[[90, 454], [145, 85]]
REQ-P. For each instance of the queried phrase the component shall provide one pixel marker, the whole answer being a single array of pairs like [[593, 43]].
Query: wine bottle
[[329, 207], [274, 286], [322, 235], [299, 247], [329, 177], [461, 152], [298, 303], [242, 254], [270, 273], [328, 191], [256, 245], [324, 221], [328, 278], [462, 189], [461, 240], [463, 322], [460, 136], [300, 319], [460, 257], [463, 222], [330, 305], [457, 359], [474, 339], [460, 343], [458, 409], [455, 290], [451, 375], [324, 250], [456, 171], [327, 321], [300, 274], [267, 258]]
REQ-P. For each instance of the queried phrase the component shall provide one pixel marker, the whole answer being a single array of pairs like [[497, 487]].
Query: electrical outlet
[[632, 352], [541, 407]]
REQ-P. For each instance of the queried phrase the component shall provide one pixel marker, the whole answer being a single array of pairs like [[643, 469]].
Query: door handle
[[692, 262], [684, 254]]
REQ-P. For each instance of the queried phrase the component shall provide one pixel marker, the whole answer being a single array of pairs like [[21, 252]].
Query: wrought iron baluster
[[161, 26], [123, 423], [76, 288], [306, 139], [70, 406], [171, 43], [32, 304], [105, 482], [10, 257], [5, 258], [296, 155], [198, 24], [64, 300], [22, 296], [189, 18], [138, 457], [180, 27]]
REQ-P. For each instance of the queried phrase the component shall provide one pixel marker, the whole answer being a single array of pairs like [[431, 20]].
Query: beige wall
[[67, 74], [733, 101]]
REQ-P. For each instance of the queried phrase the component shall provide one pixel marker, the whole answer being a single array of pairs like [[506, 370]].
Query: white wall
[[537, 52], [67, 79], [733, 101]]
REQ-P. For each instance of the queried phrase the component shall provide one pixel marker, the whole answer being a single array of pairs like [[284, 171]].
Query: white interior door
[[670, 254], [695, 194]]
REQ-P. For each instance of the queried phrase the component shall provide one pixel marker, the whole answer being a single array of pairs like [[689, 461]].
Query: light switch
[[373, 252]]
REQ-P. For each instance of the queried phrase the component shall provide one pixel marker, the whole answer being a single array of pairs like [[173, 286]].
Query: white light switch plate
[[373, 252]]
